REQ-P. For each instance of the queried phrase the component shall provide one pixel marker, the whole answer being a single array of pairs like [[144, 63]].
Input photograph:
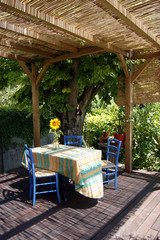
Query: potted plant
[[119, 131]]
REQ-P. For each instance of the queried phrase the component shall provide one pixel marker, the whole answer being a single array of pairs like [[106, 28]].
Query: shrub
[[146, 132], [96, 121], [16, 123], [146, 135]]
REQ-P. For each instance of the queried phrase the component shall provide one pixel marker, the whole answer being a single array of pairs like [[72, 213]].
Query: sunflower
[[55, 123]]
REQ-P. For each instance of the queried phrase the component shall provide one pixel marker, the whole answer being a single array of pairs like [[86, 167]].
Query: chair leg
[[57, 187], [107, 176], [30, 187], [34, 191], [115, 180]]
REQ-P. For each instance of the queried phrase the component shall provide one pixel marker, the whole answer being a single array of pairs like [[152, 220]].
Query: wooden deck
[[131, 212]]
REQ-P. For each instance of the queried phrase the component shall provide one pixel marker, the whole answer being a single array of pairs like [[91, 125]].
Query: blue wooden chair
[[73, 140], [109, 166], [36, 174]]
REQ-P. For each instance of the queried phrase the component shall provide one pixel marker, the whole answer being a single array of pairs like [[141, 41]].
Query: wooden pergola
[[56, 30]]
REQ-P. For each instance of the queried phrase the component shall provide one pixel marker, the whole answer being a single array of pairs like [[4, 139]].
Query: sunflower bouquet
[[55, 125]]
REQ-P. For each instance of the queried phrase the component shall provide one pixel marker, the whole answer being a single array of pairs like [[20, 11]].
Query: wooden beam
[[5, 54], [124, 65], [51, 22], [82, 52], [108, 47], [132, 21], [32, 50], [42, 72], [141, 69], [37, 45], [89, 50], [34, 35], [35, 51], [146, 56], [34, 74], [26, 70]]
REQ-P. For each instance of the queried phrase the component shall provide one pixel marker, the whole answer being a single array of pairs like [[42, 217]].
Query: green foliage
[[119, 125], [54, 89], [10, 71], [146, 135], [99, 119], [146, 131], [55, 86], [100, 69], [15, 87], [15, 123]]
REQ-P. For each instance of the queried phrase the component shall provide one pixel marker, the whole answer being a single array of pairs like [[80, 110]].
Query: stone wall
[[12, 158]]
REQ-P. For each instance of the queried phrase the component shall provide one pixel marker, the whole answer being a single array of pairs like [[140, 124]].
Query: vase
[[55, 143]]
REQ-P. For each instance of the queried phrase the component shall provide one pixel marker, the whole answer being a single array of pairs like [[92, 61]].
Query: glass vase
[[55, 143]]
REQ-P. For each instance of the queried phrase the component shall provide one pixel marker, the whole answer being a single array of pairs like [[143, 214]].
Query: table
[[82, 165]]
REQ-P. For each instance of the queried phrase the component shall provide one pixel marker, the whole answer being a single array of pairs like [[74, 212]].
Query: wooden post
[[35, 79], [128, 115], [36, 116], [35, 107], [129, 80], [128, 124]]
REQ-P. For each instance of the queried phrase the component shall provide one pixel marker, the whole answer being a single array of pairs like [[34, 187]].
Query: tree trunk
[[72, 121], [72, 125]]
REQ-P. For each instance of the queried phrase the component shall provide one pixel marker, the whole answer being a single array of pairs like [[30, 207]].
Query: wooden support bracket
[[124, 65], [141, 69]]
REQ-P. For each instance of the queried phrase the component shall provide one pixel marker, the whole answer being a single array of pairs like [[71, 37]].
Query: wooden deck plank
[[143, 218], [152, 234], [81, 217], [150, 220], [156, 225]]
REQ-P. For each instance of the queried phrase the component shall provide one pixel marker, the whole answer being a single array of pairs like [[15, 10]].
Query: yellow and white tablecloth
[[82, 165]]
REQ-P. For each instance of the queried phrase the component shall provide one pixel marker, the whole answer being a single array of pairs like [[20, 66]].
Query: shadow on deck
[[131, 212]]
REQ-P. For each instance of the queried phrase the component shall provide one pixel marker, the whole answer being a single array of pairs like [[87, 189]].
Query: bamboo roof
[[54, 30], [146, 88], [50, 29]]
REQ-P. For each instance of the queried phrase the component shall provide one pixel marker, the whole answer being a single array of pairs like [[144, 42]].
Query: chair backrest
[[73, 140], [113, 150], [29, 156]]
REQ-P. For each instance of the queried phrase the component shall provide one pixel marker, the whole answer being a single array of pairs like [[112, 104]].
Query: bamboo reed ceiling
[[146, 88], [49, 29], [54, 30]]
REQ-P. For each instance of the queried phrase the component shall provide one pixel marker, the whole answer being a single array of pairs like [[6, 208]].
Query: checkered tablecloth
[[82, 165]]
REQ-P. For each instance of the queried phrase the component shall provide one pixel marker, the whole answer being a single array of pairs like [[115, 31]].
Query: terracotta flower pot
[[120, 137]]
